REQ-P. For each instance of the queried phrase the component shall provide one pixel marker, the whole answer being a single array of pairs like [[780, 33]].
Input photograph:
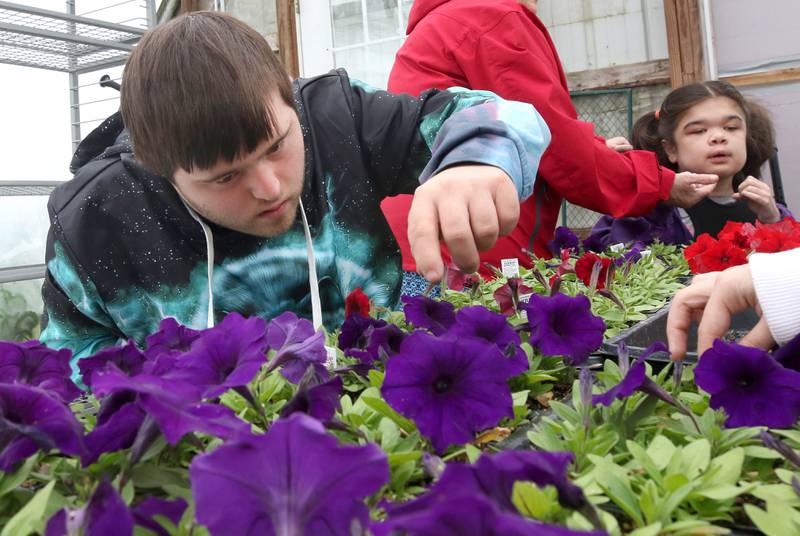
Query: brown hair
[[197, 89], [653, 128]]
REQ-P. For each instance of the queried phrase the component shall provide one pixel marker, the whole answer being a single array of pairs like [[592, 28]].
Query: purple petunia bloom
[[127, 358], [479, 322], [35, 364], [423, 312], [32, 419], [788, 355], [490, 481], [145, 512], [449, 388], [106, 513], [297, 345], [295, 479], [563, 238], [224, 357], [175, 405], [118, 422], [634, 378], [171, 338], [355, 332], [750, 385], [319, 401], [562, 325]]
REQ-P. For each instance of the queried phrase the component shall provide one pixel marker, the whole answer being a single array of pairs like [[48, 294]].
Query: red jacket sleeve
[[516, 60]]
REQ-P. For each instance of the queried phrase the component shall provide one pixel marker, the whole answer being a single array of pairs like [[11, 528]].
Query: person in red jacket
[[503, 47]]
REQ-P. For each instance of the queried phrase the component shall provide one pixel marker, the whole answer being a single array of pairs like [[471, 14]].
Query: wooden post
[[287, 37], [685, 41]]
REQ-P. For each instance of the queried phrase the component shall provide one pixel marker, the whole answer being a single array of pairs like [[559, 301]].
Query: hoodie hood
[[420, 9], [108, 139]]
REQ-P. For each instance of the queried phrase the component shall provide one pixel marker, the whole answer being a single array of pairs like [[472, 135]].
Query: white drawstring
[[313, 283], [209, 258]]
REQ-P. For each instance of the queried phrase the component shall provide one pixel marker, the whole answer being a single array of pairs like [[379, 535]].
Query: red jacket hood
[[419, 9]]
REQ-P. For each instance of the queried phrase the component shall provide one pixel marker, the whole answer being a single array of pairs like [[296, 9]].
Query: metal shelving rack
[[66, 42]]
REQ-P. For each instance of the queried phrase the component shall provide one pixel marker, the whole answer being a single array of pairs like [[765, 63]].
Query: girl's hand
[[759, 199], [619, 144]]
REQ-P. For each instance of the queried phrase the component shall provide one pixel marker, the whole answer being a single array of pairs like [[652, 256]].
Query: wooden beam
[[645, 73], [767, 77], [287, 37], [684, 41]]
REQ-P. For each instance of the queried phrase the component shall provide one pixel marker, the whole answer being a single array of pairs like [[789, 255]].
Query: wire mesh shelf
[[44, 39]]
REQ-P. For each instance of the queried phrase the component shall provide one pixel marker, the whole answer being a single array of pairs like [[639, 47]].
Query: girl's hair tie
[[658, 114]]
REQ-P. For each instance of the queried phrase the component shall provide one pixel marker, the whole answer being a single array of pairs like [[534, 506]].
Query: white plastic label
[[525, 298], [510, 267], [330, 361], [616, 248]]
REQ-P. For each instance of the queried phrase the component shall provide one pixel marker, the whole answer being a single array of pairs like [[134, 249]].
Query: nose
[[718, 135], [264, 183]]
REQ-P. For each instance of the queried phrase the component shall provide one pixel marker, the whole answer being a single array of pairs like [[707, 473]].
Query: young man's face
[[259, 193]]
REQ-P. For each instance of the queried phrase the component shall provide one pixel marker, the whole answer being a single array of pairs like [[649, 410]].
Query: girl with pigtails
[[707, 127]]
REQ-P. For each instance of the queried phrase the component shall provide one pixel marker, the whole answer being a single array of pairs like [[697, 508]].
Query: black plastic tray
[[639, 336]]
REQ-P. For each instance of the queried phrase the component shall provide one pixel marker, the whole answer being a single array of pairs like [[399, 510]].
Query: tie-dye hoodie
[[123, 252]]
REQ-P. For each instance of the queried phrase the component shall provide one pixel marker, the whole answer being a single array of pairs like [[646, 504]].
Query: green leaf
[[534, 502], [147, 475], [473, 453], [612, 479], [375, 378], [776, 492], [10, 481], [727, 468], [31, 517], [660, 451], [696, 457], [397, 458], [778, 520], [379, 405], [649, 530], [644, 461], [756, 451], [723, 492], [565, 412]]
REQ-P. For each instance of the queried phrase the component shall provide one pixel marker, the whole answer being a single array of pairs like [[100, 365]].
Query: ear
[[671, 150]]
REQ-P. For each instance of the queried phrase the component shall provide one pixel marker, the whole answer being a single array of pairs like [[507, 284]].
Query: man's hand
[[691, 188], [711, 299], [468, 207], [759, 199], [619, 144]]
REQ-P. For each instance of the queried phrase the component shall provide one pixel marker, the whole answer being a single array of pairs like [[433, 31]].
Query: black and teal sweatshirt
[[123, 252]]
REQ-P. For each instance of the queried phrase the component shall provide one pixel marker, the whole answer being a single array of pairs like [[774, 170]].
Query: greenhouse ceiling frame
[[66, 42]]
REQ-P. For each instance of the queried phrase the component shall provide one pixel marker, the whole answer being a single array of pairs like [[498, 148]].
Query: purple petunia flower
[[319, 401], [118, 423], [297, 345], [490, 481], [31, 419], [385, 341], [635, 378], [224, 357], [479, 322], [171, 338], [295, 479], [563, 238], [35, 364], [106, 513], [127, 358], [562, 325], [145, 512], [750, 385], [423, 312], [788, 355], [355, 332], [175, 405], [449, 388]]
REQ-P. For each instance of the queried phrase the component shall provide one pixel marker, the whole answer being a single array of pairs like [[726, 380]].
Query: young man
[[221, 187]]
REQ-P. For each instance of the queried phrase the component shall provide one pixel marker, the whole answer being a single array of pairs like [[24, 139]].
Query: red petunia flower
[[507, 296], [584, 266], [722, 255], [694, 253], [356, 303], [739, 233], [774, 237]]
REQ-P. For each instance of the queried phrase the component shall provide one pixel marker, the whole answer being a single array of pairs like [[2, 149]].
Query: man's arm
[[74, 316]]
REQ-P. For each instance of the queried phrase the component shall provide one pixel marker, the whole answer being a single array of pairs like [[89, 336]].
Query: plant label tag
[[330, 360], [616, 248], [525, 298], [645, 253], [510, 267]]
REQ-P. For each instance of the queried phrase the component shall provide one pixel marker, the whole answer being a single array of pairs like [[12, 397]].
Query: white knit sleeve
[[776, 277]]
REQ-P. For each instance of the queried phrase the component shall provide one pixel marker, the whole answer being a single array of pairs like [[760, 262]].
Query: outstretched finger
[[423, 237], [759, 337]]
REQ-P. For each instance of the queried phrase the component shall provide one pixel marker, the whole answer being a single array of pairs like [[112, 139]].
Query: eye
[[225, 179], [697, 131], [732, 127], [277, 147]]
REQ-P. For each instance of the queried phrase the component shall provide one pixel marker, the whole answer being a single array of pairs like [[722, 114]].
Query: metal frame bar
[[70, 17], [59, 36], [22, 273]]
